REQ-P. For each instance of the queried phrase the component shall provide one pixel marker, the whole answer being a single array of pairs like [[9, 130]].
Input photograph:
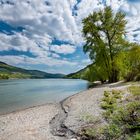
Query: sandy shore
[[53, 121]]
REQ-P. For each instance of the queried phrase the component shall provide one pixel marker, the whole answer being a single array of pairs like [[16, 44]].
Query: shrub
[[112, 132], [110, 99], [127, 118], [136, 136], [123, 118], [117, 94]]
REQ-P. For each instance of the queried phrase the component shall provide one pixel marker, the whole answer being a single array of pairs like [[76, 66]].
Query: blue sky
[[46, 34]]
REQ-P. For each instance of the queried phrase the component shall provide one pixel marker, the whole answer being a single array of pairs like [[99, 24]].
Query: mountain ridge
[[8, 71]]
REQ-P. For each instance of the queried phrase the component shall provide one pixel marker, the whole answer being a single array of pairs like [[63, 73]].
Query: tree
[[133, 57], [104, 33]]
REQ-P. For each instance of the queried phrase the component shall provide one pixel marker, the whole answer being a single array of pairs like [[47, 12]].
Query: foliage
[[136, 136], [134, 63], [123, 119], [110, 100], [104, 34], [135, 90], [4, 76], [91, 133], [112, 132], [114, 58]]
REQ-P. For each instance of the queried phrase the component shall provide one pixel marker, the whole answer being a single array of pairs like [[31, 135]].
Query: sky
[[46, 34]]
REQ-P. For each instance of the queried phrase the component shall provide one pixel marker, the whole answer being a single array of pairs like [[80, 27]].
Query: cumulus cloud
[[132, 10], [63, 49], [54, 19], [20, 43]]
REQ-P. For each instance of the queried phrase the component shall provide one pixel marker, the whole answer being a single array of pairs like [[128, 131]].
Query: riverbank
[[55, 121]]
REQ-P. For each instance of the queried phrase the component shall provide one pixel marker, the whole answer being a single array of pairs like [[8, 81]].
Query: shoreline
[[24, 109], [53, 121], [45, 104]]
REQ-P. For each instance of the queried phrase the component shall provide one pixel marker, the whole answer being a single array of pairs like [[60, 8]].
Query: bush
[[128, 116], [112, 132], [110, 99], [136, 136], [124, 120], [117, 94], [123, 117]]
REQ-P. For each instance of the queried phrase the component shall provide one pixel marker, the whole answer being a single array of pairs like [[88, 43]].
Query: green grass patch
[[88, 118], [110, 98], [135, 90]]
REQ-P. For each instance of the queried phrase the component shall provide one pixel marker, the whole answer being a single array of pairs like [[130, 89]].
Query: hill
[[8, 71], [77, 75], [82, 74]]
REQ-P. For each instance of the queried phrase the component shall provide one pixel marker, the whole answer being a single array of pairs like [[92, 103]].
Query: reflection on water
[[20, 94]]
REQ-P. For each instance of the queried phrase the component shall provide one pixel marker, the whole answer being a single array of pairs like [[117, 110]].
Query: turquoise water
[[21, 94]]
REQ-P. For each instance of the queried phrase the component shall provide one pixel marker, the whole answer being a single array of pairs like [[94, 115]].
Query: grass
[[135, 90], [132, 83]]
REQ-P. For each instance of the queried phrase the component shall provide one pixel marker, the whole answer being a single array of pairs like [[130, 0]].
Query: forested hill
[[82, 74], [8, 71], [77, 75]]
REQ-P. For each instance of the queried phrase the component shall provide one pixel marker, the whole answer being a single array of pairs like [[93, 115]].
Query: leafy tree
[[133, 58], [104, 33]]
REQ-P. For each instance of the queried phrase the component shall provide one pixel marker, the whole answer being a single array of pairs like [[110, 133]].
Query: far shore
[[58, 121]]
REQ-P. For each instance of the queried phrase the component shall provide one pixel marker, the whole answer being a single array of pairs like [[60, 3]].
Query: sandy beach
[[53, 121]]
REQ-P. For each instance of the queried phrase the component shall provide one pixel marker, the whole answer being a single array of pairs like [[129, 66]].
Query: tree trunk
[[114, 76]]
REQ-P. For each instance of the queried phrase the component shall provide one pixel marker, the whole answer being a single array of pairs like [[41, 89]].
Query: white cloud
[[55, 55], [63, 49], [20, 43], [22, 59], [37, 19], [132, 10]]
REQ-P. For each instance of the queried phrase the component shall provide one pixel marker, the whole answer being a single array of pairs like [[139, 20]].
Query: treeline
[[13, 76], [4, 76], [128, 66]]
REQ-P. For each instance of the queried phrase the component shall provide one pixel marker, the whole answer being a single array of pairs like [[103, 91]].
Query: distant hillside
[[82, 74], [77, 75], [8, 71]]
